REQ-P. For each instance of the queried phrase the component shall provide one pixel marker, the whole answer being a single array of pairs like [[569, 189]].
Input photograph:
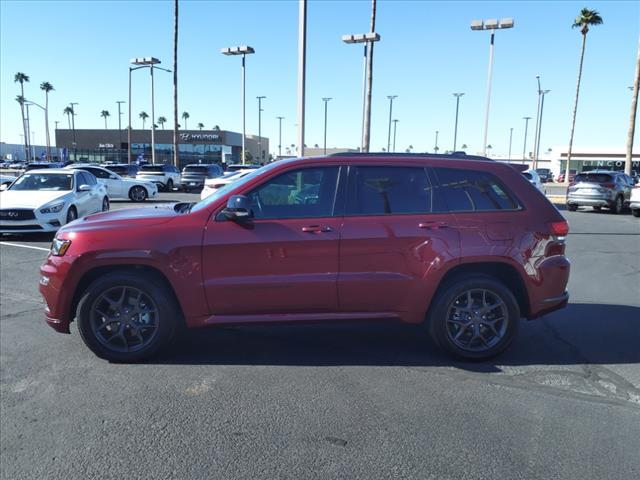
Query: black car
[[193, 176], [127, 170], [545, 174]]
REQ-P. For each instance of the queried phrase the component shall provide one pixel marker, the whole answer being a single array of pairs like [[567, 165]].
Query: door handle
[[433, 225], [317, 229]]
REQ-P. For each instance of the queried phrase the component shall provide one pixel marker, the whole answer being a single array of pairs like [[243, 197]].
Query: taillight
[[559, 229], [608, 185]]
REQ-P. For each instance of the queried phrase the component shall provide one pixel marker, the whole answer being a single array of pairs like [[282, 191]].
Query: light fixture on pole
[[455, 128], [524, 147], [243, 50], [260, 154], [326, 101], [280, 136], [395, 128], [150, 62], [368, 39], [391, 98], [493, 25], [119, 102], [537, 140]]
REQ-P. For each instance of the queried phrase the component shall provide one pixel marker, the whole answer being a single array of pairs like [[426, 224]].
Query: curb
[[557, 199]]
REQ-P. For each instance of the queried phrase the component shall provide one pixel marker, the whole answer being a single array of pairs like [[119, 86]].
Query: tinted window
[[43, 181], [527, 175], [470, 190], [308, 192], [152, 168], [388, 190], [97, 172], [593, 178], [86, 179]]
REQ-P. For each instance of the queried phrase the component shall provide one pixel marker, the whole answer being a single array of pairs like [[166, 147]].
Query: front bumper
[[43, 223], [634, 205]]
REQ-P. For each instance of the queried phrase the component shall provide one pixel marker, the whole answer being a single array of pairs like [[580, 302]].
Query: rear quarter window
[[463, 190], [593, 178]]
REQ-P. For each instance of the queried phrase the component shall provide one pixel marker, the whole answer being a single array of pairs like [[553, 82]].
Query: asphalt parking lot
[[333, 401]]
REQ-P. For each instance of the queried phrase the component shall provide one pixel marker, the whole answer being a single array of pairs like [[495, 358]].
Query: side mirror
[[3, 187], [84, 188], [238, 208]]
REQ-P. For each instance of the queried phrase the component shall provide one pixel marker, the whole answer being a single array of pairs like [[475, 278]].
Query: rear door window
[[593, 178], [389, 190], [471, 191]]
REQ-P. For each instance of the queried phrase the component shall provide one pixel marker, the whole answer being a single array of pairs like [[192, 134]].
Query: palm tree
[[185, 117], [583, 21], [47, 87], [104, 114], [68, 111], [200, 126], [162, 121], [175, 84], [22, 78], [632, 116], [216, 127], [143, 116], [464, 146]]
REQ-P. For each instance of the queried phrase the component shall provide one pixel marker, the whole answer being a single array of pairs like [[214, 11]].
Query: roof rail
[[460, 155]]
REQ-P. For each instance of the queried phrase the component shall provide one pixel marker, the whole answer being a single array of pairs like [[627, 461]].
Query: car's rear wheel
[[72, 214], [170, 185], [636, 212], [474, 318], [572, 207], [597, 208], [105, 204], [138, 194], [126, 317], [617, 207]]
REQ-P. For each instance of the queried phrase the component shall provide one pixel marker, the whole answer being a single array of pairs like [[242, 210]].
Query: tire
[[618, 206], [72, 214], [169, 186], [449, 327], [597, 209], [105, 204], [138, 194], [572, 207], [113, 297], [636, 212]]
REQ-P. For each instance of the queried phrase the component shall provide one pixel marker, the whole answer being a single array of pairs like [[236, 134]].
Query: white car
[[634, 202], [119, 187], [44, 200], [213, 184], [534, 179], [164, 175]]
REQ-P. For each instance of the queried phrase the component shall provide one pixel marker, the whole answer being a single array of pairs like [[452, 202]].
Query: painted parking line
[[24, 246]]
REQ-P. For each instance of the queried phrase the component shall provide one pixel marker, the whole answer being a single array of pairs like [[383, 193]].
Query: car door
[[108, 179], [285, 259], [392, 241], [83, 199]]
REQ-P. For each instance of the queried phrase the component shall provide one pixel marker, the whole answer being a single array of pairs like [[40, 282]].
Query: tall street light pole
[[368, 39], [395, 129], [73, 127], [455, 128], [535, 135], [391, 98], [119, 102], [243, 50], [510, 140], [260, 98], [436, 147], [280, 136], [493, 25], [326, 101], [524, 147], [537, 139], [151, 62]]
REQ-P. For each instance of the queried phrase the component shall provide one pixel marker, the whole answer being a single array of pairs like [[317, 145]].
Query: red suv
[[464, 246]]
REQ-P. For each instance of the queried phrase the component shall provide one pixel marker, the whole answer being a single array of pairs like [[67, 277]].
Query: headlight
[[55, 208], [59, 247]]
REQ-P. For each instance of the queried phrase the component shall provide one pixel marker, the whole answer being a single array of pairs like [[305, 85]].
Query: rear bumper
[[634, 205], [592, 201], [549, 305]]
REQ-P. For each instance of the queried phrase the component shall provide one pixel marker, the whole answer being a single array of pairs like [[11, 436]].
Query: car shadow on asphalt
[[579, 334]]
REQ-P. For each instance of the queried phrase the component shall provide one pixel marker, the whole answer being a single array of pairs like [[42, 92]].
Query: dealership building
[[194, 146]]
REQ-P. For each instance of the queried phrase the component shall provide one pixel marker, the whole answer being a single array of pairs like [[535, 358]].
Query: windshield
[[44, 181], [227, 188], [117, 169], [593, 178], [202, 170], [527, 175]]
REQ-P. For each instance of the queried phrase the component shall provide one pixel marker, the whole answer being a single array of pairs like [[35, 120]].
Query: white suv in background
[[165, 176], [634, 201]]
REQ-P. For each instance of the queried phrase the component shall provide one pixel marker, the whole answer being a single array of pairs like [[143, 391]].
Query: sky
[[427, 52]]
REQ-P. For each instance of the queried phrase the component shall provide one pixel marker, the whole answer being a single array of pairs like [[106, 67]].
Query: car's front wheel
[[474, 318], [618, 206], [572, 207], [72, 214], [636, 212], [105, 204], [127, 317], [138, 194], [170, 185]]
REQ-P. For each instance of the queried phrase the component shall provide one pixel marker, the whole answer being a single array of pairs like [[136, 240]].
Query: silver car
[[600, 188]]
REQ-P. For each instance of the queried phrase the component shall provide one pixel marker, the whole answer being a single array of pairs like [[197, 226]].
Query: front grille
[[20, 227], [17, 214]]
